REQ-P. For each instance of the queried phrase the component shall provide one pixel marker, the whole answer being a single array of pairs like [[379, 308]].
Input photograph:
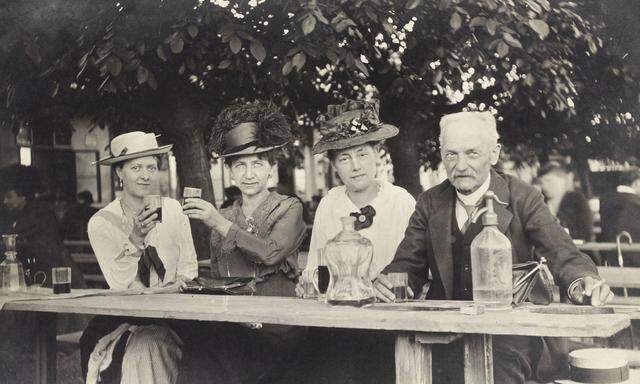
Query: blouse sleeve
[[118, 261], [287, 235], [188, 261]]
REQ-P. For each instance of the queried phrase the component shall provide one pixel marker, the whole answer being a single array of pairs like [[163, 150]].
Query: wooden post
[[478, 359], [413, 361], [46, 348]]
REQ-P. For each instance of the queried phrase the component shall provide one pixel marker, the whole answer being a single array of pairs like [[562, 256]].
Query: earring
[[120, 183]]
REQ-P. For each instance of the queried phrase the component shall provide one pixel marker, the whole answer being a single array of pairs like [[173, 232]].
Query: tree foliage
[[542, 65]]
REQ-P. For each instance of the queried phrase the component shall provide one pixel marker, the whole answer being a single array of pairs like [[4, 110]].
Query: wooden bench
[[622, 277], [82, 254]]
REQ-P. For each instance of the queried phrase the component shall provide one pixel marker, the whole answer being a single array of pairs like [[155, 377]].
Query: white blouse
[[109, 231], [393, 205]]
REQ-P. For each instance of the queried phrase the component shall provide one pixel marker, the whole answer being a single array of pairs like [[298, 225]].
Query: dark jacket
[[526, 221], [39, 244], [621, 212], [528, 224], [574, 213]]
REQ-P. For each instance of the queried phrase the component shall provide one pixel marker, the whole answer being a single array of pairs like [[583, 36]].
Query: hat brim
[[634, 377], [384, 132], [250, 151], [117, 159]]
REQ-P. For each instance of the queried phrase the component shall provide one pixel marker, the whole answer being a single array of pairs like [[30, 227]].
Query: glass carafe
[[11, 270], [349, 257]]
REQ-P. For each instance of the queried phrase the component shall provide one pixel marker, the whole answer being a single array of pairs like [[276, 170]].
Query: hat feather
[[273, 127]]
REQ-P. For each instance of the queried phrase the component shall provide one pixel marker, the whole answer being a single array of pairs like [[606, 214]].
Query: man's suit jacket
[[526, 221]]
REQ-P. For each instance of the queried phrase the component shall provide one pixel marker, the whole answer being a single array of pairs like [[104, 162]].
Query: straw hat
[[133, 145], [600, 365], [355, 122]]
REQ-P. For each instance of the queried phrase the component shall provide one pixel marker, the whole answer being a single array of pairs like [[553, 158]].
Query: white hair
[[478, 120]]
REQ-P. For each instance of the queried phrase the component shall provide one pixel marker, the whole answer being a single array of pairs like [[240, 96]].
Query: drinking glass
[[399, 281], [308, 285], [154, 203], [61, 278], [191, 192], [322, 275]]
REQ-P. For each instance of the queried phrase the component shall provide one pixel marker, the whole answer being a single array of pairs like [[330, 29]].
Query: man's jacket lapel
[[499, 186]]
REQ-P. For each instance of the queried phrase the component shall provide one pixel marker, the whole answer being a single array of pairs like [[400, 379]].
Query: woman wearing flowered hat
[[260, 234], [351, 135], [137, 249]]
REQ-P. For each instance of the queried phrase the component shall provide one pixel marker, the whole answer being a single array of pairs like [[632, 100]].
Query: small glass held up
[[154, 204], [189, 192]]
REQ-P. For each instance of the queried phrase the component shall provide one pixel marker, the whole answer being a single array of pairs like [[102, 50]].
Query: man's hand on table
[[590, 290], [382, 288]]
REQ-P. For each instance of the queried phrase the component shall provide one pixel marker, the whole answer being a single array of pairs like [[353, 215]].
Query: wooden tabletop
[[424, 316]]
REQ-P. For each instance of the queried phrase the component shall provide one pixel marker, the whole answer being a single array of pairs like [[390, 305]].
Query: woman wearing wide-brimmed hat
[[259, 235], [137, 249], [352, 134]]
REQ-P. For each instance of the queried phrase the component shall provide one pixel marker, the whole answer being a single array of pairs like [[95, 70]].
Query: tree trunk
[[404, 153], [183, 120]]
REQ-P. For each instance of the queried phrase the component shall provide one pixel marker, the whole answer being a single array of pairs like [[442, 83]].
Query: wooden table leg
[[46, 348], [478, 359], [413, 360]]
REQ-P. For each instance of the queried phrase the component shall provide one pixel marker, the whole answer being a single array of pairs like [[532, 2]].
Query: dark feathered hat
[[249, 128], [351, 123]]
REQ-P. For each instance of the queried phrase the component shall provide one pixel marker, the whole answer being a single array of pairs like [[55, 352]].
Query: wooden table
[[417, 328]]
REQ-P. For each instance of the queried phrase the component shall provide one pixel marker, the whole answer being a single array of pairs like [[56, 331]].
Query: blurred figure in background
[[74, 222], [569, 206], [231, 194], [620, 211], [40, 247]]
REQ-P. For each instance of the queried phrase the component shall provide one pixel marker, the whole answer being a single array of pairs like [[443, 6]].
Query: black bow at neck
[[150, 259], [364, 218]]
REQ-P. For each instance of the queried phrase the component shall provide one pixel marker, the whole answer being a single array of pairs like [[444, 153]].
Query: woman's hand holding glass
[[143, 223], [204, 211]]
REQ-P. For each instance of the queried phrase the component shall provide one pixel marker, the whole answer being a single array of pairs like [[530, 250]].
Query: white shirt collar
[[474, 197], [625, 189]]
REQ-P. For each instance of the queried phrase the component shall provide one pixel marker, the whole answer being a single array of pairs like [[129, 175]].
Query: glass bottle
[[349, 256], [11, 270], [491, 261]]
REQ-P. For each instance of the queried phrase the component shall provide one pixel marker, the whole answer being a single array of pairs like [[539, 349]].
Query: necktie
[[471, 209], [148, 259]]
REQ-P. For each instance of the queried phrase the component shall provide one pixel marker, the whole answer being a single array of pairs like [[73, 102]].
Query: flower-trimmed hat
[[352, 123], [249, 128], [133, 145]]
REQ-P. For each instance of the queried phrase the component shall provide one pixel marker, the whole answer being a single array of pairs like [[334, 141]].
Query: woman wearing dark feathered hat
[[260, 234]]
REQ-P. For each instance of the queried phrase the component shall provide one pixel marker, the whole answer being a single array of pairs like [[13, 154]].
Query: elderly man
[[439, 234]]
